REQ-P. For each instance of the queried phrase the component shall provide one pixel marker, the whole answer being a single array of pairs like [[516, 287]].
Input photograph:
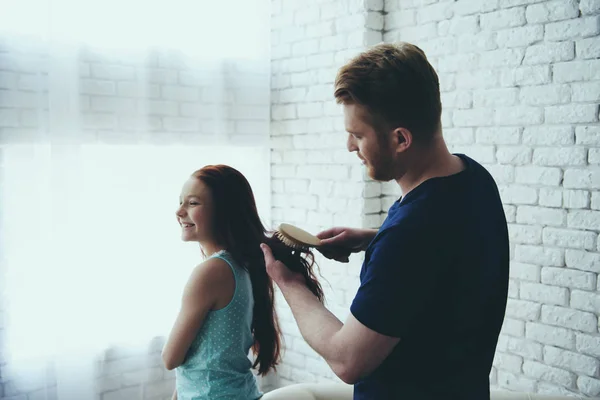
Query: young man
[[425, 321]]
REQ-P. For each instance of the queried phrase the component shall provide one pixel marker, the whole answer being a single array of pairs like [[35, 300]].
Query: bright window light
[[92, 247], [205, 28]]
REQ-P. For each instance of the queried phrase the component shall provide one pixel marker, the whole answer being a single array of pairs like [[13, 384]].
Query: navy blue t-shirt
[[436, 276]]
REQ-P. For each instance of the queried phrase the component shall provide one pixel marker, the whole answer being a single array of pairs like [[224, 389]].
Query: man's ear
[[403, 139]]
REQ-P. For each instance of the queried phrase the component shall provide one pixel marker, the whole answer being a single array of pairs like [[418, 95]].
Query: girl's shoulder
[[214, 270]]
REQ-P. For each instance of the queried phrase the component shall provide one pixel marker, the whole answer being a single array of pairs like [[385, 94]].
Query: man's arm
[[352, 350]]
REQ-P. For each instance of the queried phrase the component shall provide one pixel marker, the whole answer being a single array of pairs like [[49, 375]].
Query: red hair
[[238, 228]]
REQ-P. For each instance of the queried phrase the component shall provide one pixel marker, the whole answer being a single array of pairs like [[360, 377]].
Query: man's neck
[[433, 161]]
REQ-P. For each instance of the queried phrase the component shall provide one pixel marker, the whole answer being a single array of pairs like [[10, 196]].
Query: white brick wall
[[520, 82], [521, 96], [164, 97], [316, 183]]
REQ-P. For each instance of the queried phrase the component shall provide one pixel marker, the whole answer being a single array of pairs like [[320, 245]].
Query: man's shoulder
[[403, 234], [477, 173], [416, 216]]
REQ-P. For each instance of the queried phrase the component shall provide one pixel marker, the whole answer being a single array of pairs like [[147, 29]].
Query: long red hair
[[238, 228]]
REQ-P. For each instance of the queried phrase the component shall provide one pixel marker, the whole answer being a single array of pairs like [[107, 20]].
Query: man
[[425, 321]]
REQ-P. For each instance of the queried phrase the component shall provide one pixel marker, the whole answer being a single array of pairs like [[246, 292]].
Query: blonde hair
[[397, 84]]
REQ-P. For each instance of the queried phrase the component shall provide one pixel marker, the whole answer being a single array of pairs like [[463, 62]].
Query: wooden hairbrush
[[295, 237]]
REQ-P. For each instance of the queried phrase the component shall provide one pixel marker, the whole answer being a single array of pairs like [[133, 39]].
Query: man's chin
[[371, 173], [377, 175]]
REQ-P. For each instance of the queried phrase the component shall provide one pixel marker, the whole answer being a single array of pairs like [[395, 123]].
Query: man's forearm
[[370, 235], [317, 324]]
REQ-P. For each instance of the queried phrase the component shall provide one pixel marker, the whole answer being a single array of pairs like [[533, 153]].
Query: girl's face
[[195, 212]]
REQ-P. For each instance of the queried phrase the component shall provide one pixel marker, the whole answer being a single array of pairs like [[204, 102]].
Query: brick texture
[[519, 82], [524, 82], [316, 183]]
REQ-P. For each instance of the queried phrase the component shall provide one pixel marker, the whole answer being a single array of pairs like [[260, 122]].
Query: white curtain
[[105, 108]]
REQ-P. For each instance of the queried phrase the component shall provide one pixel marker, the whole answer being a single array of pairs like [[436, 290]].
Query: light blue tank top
[[217, 364]]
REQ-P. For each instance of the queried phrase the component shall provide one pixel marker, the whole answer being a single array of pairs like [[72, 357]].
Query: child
[[228, 303]]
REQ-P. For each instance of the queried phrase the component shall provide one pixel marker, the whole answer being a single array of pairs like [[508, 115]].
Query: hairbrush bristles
[[296, 238], [290, 242]]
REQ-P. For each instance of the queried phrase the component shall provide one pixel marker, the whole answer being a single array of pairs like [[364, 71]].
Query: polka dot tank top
[[217, 366]]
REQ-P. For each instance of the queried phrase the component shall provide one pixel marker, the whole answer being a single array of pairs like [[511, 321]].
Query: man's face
[[373, 148]]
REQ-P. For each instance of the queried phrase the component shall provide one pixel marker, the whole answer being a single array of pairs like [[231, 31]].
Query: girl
[[228, 303]]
